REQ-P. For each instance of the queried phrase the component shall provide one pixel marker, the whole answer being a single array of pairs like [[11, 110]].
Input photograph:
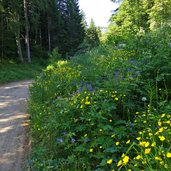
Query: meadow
[[106, 109]]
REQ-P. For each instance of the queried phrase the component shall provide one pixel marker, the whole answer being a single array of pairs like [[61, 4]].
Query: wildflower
[[159, 123], [137, 113], [147, 150], [129, 170], [100, 147], [140, 132], [109, 161], [138, 157], [110, 120], [59, 140], [168, 155], [145, 122], [87, 102], [158, 158], [161, 129], [150, 134], [81, 106], [73, 140], [153, 144], [125, 159], [117, 143], [144, 99], [116, 99], [163, 115], [142, 143], [147, 144], [128, 142], [162, 138], [91, 150], [119, 163], [138, 138]]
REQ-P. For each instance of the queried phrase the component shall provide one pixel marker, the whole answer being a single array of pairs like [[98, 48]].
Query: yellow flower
[[110, 120], [162, 138], [116, 99], [142, 143], [91, 150], [168, 155], [161, 129], [123, 155], [158, 158], [129, 170], [117, 143], [150, 134], [138, 138], [137, 113], [128, 142], [140, 133], [159, 123], [163, 115], [125, 159], [153, 144], [138, 157], [81, 106], [109, 161], [100, 147], [147, 150], [87, 102], [119, 163], [147, 144], [144, 121]]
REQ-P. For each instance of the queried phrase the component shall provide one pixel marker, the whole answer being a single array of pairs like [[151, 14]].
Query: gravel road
[[14, 122]]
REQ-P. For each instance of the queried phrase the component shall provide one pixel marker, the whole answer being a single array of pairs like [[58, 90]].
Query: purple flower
[[64, 133], [59, 140], [73, 140]]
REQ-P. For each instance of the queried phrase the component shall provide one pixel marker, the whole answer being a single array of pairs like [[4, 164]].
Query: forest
[[103, 100]]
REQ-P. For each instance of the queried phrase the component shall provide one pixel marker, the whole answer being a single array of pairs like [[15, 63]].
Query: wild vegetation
[[108, 107]]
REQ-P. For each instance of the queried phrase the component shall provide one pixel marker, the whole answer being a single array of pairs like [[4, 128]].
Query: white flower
[[144, 99]]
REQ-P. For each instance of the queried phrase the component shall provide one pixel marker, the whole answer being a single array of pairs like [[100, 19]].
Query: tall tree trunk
[[27, 32], [18, 43], [49, 34]]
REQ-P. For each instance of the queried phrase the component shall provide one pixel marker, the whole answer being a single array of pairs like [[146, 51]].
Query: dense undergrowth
[[107, 109], [12, 71]]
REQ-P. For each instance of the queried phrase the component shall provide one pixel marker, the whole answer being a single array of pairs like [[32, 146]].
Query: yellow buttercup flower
[[153, 144], [163, 115], [147, 144], [158, 158], [150, 134], [159, 123], [125, 159], [138, 157], [87, 102], [168, 155], [161, 129], [91, 150], [147, 150], [116, 99], [117, 143], [109, 161], [162, 138], [128, 142], [138, 138], [119, 163], [142, 143]]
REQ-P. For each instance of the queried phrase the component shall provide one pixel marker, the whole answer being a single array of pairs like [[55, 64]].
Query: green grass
[[12, 71]]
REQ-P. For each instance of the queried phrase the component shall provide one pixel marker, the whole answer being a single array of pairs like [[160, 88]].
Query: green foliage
[[89, 109]]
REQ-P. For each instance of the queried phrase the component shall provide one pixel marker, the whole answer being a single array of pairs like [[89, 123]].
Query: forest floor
[[14, 122]]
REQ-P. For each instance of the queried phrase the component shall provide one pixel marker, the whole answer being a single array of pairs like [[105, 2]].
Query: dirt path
[[13, 125]]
